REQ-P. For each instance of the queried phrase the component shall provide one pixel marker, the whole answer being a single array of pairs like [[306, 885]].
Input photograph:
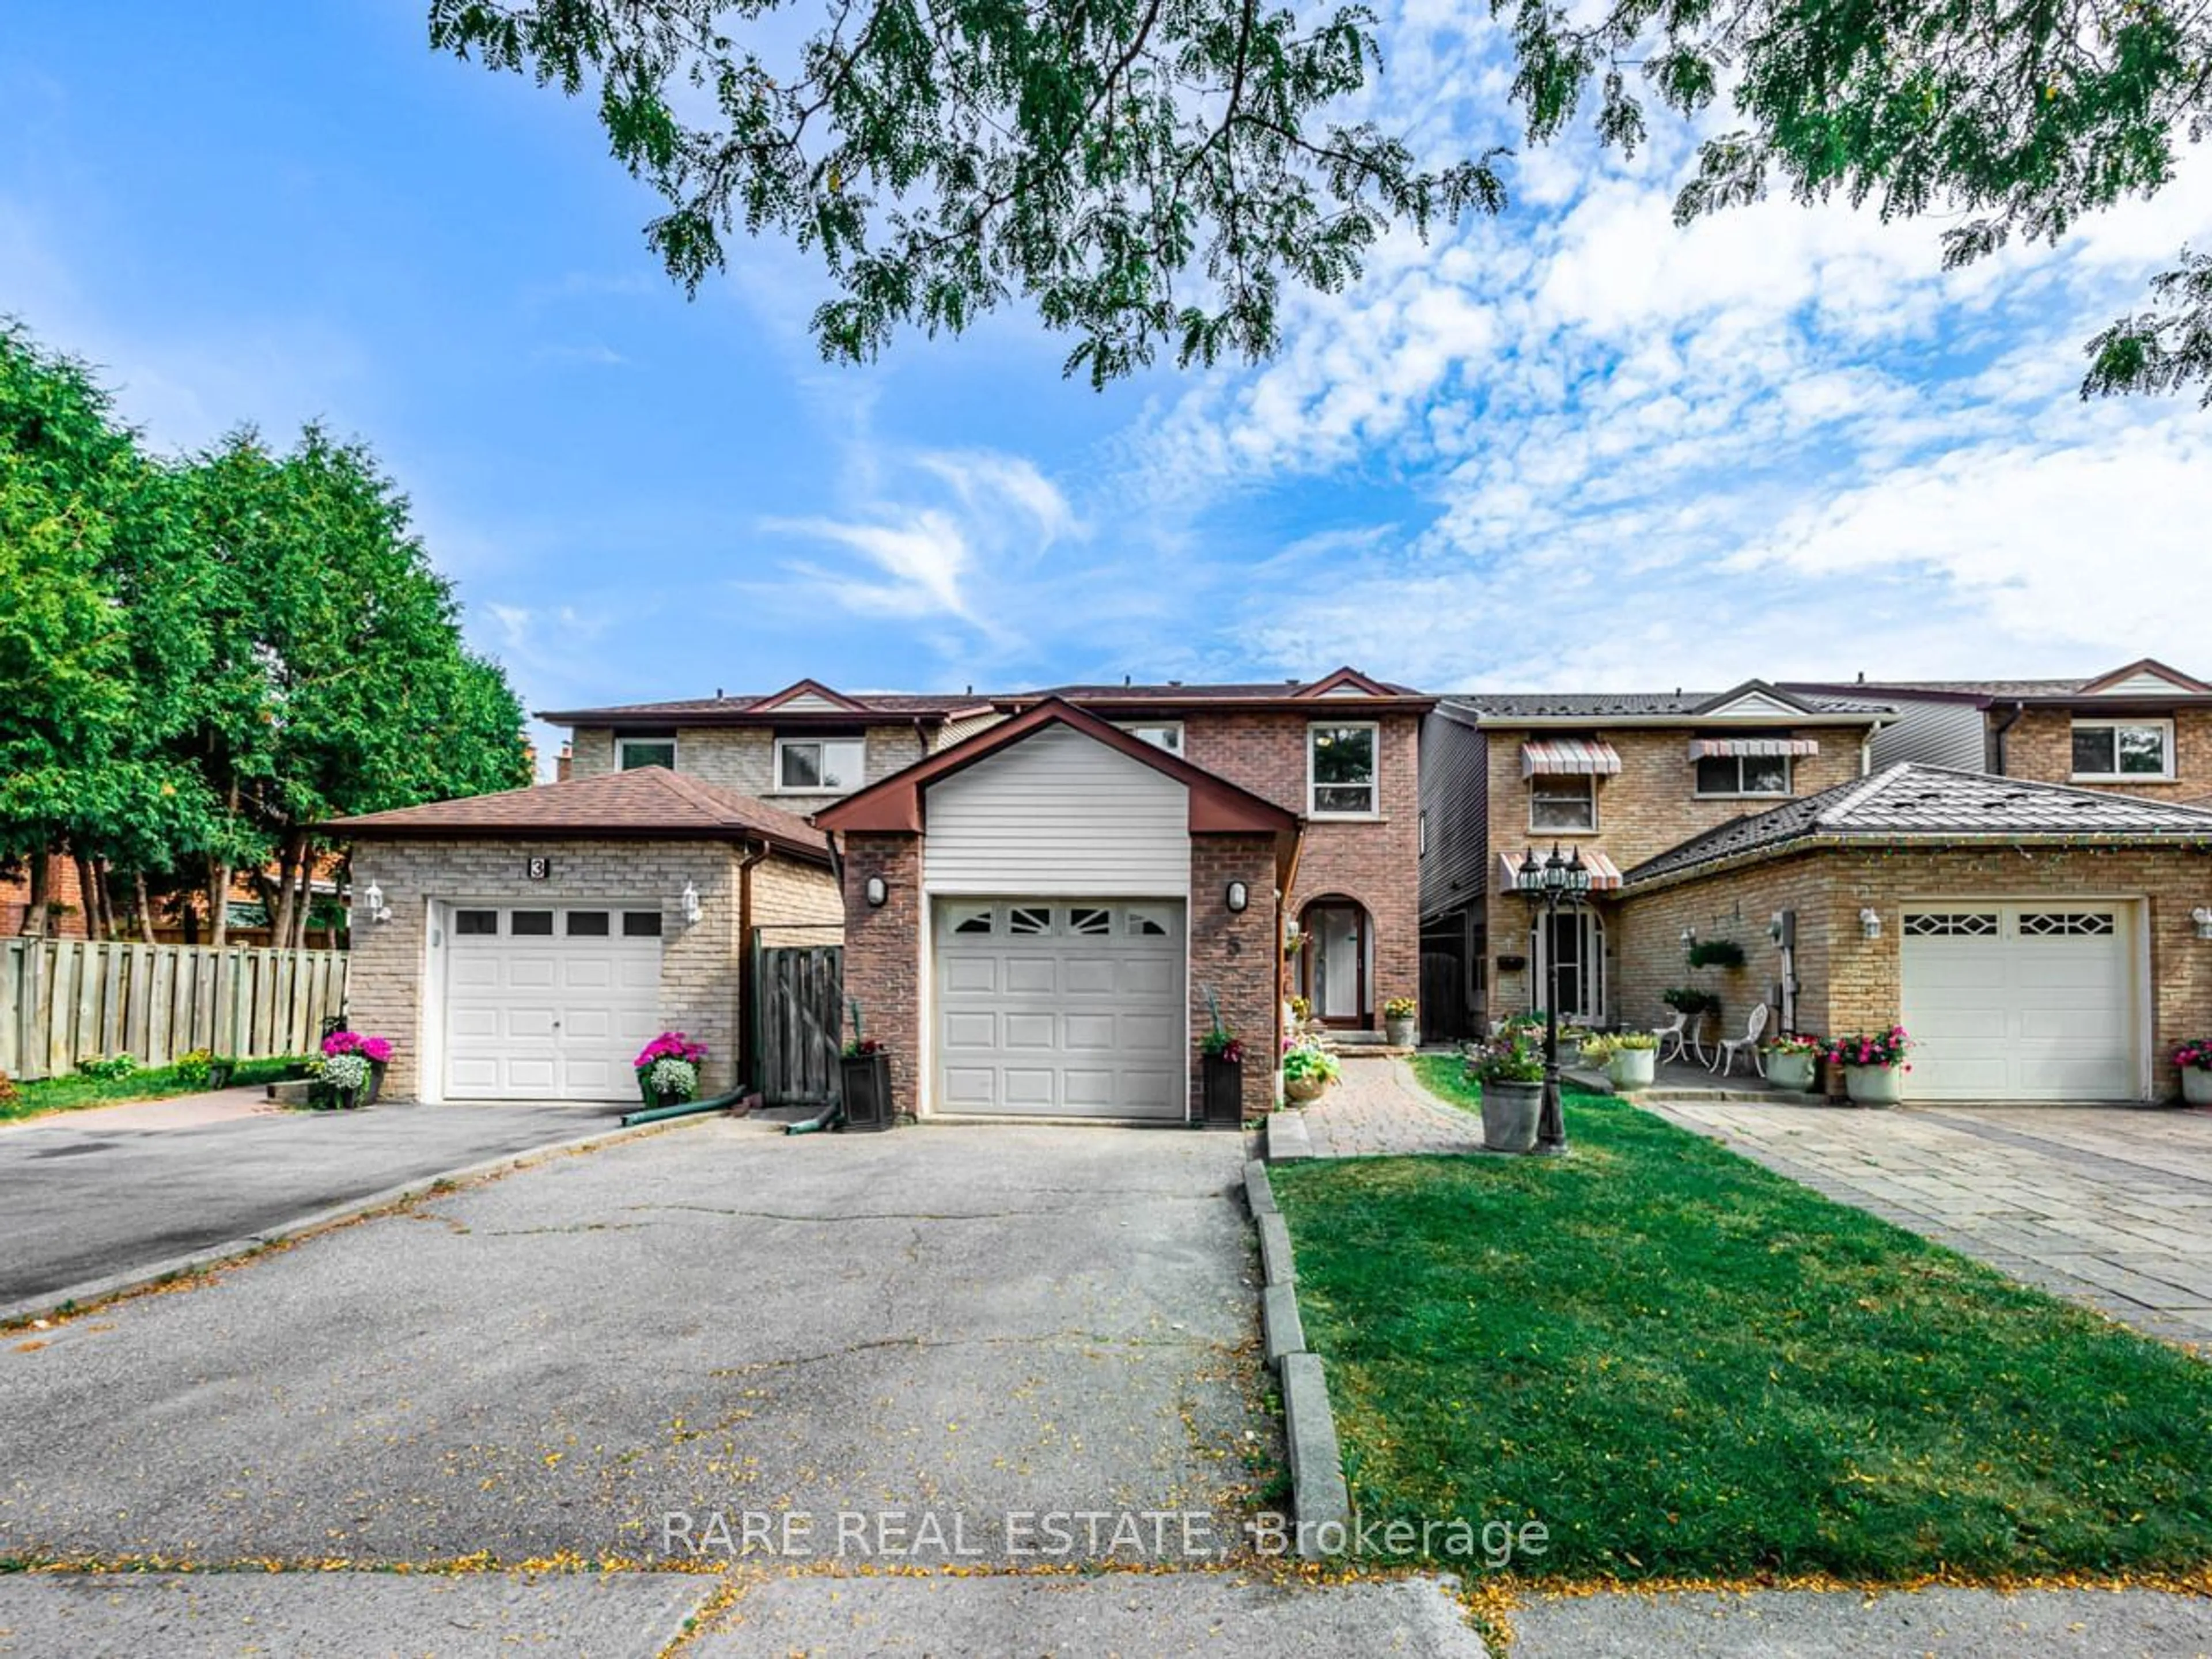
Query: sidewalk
[[176, 1112]]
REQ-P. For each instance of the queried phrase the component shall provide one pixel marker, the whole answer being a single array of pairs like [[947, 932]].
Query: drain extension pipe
[[830, 1117], [685, 1108]]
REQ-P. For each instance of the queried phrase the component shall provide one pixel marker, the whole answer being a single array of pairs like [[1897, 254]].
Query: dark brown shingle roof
[[647, 801]]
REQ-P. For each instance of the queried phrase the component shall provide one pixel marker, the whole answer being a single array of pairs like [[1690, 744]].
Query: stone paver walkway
[[2110, 1207], [1380, 1110]]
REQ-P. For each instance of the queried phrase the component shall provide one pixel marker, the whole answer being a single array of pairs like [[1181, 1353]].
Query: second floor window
[[1161, 734], [1744, 775], [820, 766], [658, 749], [1563, 805], [2122, 748], [1341, 770]]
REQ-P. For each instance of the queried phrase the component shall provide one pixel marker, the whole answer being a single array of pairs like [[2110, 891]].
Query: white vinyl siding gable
[[1059, 813]]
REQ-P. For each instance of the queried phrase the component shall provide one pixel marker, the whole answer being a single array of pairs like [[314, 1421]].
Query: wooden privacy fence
[[63, 1001], [798, 1013]]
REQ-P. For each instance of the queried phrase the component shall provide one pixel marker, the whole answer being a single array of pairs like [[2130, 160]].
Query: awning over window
[[1568, 757], [1605, 874], [1715, 748]]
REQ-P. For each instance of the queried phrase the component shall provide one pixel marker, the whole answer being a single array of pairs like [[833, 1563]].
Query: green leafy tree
[[1151, 172], [97, 641]]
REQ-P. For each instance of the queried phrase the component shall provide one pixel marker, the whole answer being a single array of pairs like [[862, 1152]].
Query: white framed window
[[657, 749], [1161, 734], [1729, 776], [2122, 748], [820, 766], [1341, 767], [1565, 805]]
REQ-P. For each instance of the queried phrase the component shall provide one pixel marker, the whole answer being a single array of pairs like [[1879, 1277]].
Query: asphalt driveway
[[89, 1195], [960, 1324], [2110, 1207]]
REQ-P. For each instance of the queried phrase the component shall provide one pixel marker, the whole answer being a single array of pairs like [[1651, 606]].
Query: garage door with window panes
[[2021, 1002], [1054, 1008], [549, 1002]]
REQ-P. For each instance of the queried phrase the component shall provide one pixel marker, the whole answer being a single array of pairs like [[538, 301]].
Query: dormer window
[[820, 766], [2112, 749]]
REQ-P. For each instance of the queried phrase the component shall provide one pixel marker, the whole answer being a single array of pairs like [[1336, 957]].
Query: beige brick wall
[[699, 963], [743, 758], [1852, 983], [2040, 745], [1644, 935], [1650, 806]]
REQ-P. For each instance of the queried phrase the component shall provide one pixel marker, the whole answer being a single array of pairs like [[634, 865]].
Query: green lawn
[[71, 1094], [1685, 1365]]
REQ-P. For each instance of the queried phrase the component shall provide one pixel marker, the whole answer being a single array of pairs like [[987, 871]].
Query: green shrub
[[107, 1069], [195, 1068]]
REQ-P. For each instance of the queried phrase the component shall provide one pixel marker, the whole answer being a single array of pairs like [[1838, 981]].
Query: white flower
[[673, 1077], [345, 1072]]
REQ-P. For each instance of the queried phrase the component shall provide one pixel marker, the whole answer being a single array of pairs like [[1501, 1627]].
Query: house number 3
[[538, 869]]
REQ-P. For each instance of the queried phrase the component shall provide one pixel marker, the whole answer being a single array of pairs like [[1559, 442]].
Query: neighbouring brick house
[[2145, 729], [2039, 940], [525, 946], [1043, 918]]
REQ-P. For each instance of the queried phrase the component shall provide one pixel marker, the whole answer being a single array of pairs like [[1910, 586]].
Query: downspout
[[1998, 736], [747, 1059]]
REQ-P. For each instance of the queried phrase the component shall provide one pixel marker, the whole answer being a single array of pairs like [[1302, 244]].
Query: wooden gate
[[798, 1016]]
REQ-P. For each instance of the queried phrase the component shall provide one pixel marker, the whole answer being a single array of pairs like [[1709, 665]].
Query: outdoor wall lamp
[[1238, 897], [1870, 923], [372, 897], [690, 904], [876, 891], [2202, 915]]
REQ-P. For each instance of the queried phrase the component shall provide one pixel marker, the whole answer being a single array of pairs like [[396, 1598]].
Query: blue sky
[[1574, 446]]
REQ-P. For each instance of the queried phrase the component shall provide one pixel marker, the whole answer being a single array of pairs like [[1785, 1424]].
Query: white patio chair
[[1729, 1048], [1673, 1036]]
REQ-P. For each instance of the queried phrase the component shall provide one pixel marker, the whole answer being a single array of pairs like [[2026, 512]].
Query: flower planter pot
[[1874, 1085], [1509, 1111], [867, 1084], [1304, 1090], [376, 1070], [1402, 1033], [1790, 1071], [1593, 1060], [1633, 1069], [218, 1075], [2197, 1086], [1223, 1092]]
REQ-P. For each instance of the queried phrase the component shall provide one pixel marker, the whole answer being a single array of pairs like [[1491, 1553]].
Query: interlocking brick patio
[[1380, 1110]]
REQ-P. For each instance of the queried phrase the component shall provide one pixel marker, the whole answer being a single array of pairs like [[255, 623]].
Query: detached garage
[[532, 942], [2038, 943]]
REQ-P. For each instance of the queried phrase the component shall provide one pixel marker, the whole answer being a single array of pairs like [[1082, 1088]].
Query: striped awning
[[1568, 757], [1712, 748], [1605, 874]]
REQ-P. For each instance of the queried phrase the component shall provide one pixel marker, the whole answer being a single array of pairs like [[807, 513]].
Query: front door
[[1575, 940], [1336, 963]]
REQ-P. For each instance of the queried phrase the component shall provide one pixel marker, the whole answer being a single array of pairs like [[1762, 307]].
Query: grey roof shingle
[[1634, 705], [1934, 803]]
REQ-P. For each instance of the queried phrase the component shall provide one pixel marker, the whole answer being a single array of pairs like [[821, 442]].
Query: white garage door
[[549, 1002], [1054, 1008], [2021, 1002]]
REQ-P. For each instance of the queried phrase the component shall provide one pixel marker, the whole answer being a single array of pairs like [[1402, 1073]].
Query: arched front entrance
[[1336, 964]]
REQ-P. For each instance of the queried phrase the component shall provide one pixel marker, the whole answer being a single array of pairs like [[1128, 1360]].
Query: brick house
[[525, 946], [2144, 729], [1042, 918], [2039, 940], [1622, 777]]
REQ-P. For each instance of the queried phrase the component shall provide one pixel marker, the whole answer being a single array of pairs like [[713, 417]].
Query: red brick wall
[[883, 952], [2040, 745], [61, 889], [1376, 862], [1238, 957]]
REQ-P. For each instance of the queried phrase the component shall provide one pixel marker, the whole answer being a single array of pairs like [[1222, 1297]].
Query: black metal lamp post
[[1550, 883]]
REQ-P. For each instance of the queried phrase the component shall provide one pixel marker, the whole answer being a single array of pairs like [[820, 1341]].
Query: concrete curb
[[1319, 1497], [82, 1297], [1286, 1137]]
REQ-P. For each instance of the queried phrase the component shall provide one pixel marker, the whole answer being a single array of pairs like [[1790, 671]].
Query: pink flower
[[376, 1050]]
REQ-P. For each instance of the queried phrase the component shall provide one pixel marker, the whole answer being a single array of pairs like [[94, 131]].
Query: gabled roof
[[894, 803], [808, 701], [2146, 678], [1755, 700], [647, 802], [1347, 686], [1909, 802]]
